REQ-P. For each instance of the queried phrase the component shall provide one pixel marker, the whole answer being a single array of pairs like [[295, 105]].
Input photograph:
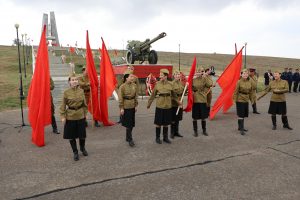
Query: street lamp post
[[20, 76], [179, 58], [245, 56]]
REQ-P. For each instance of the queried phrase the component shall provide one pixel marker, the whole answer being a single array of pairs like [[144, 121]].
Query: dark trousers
[[296, 83], [290, 85]]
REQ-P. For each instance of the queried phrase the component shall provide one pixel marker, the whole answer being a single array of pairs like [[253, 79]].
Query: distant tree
[[15, 42]]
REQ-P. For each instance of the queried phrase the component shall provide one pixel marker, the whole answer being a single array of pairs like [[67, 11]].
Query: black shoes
[[76, 156], [55, 131], [158, 141], [131, 143]]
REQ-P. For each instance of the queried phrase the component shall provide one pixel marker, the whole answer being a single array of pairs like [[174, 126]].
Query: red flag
[[183, 78], [150, 83], [72, 49], [190, 100], [93, 105], [108, 83], [227, 82], [39, 100]]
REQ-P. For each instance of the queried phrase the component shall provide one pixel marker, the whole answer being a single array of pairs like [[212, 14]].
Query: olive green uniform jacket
[[243, 91], [73, 105], [178, 88], [278, 87], [164, 92], [200, 88], [128, 96]]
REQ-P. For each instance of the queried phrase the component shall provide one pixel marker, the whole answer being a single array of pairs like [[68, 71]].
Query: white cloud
[[269, 27]]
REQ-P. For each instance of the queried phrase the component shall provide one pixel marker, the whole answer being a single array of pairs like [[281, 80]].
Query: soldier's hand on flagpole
[[63, 121], [122, 111]]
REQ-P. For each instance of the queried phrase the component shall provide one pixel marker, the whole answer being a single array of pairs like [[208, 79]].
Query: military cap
[[165, 71], [251, 69], [176, 72], [128, 71], [72, 75], [200, 69]]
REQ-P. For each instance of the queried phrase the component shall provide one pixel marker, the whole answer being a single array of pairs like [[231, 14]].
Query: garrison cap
[[165, 71], [251, 69], [128, 71]]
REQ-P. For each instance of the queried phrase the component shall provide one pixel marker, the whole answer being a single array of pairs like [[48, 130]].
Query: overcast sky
[[270, 27]]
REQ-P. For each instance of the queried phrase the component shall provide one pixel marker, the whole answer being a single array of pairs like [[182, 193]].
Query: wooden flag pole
[[181, 99]]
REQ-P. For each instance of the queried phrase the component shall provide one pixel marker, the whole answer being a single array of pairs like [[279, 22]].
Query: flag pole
[[181, 99], [91, 99]]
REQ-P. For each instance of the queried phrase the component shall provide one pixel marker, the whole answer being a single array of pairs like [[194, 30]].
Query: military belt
[[128, 98], [74, 108], [164, 95], [244, 92]]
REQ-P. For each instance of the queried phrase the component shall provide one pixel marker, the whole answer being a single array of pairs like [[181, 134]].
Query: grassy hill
[[9, 76]]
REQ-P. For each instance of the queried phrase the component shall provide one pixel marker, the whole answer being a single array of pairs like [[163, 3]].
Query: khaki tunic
[[73, 105], [84, 83], [282, 86], [254, 81], [200, 88], [128, 96], [164, 90], [178, 88], [243, 91]]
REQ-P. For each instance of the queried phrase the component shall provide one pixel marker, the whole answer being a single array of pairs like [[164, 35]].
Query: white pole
[[185, 87]]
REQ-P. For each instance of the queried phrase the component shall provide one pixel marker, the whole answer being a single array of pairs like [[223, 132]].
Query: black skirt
[[128, 118], [278, 108], [242, 109], [176, 117], [163, 117], [74, 129], [199, 111]]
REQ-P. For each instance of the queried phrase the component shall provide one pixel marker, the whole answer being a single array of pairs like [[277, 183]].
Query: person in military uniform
[[128, 103], [296, 79], [278, 101], [254, 81], [208, 73], [200, 111], [53, 120], [73, 113], [242, 95], [84, 83], [178, 88], [163, 112]]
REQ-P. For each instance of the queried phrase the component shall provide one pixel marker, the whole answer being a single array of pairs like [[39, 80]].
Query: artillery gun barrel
[[146, 44]]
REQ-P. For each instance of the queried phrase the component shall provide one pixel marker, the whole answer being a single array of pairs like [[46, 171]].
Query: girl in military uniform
[[200, 110], [208, 74], [242, 95], [73, 112], [128, 103], [163, 112], [278, 101], [178, 88]]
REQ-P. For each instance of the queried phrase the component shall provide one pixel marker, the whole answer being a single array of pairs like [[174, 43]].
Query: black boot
[[203, 124], [255, 109], [165, 135], [273, 122], [54, 126], [129, 137], [177, 134], [158, 141], [97, 123], [195, 126], [74, 148], [285, 122], [82, 147], [172, 130], [241, 126]]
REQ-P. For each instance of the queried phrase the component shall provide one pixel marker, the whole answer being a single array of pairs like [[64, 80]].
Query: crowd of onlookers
[[293, 78]]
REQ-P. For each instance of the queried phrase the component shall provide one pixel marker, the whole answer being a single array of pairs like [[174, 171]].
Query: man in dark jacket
[[268, 77], [290, 79], [296, 79]]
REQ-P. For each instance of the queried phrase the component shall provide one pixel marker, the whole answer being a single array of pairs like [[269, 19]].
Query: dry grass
[[9, 76]]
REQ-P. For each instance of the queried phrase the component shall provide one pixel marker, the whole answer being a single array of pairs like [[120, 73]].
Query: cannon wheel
[[129, 57], [152, 59]]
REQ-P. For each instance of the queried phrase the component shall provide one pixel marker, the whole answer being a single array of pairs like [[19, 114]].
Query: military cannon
[[140, 51]]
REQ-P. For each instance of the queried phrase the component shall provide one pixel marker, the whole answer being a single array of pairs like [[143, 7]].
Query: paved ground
[[264, 164]]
